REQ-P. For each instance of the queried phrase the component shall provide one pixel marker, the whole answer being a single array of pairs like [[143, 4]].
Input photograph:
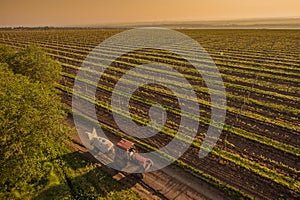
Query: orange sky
[[95, 12]]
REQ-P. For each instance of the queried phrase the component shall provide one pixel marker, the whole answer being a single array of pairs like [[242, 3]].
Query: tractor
[[124, 153]]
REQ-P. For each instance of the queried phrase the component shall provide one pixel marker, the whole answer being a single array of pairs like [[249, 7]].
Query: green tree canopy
[[34, 163], [6, 54], [31, 62], [31, 119]]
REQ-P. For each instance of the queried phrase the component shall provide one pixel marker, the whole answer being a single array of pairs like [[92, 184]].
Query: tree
[[31, 121], [6, 54], [35, 64]]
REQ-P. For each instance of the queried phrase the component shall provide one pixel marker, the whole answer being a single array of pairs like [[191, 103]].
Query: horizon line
[[158, 22]]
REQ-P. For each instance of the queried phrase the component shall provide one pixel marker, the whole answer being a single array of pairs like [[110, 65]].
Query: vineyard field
[[258, 152]]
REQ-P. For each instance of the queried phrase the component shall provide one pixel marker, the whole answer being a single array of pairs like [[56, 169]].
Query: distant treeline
[[54, 28]]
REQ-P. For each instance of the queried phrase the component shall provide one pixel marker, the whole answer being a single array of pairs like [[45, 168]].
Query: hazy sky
[[93, 12]]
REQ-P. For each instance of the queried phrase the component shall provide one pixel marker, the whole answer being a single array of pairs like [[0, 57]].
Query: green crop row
[[247, 114], [243, 133], [175, 59], [276, 86], [247, 164], [263, 118]]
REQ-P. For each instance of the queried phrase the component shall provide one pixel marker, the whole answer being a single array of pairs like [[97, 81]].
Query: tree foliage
[[6, 54], [33, 63], [31, 118]]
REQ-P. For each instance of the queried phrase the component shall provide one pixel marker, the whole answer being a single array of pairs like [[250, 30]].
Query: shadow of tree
[[82, 179]]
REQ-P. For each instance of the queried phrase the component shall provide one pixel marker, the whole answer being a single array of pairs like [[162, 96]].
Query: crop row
[[235, 85], [235, 60], [202, 119], [227, 77], [256, 116], [91, 38], [276, 86], [231, 157]]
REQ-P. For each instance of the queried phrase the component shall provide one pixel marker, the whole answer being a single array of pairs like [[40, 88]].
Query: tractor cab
[[128, 147], [127, 153], [125, 144]]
